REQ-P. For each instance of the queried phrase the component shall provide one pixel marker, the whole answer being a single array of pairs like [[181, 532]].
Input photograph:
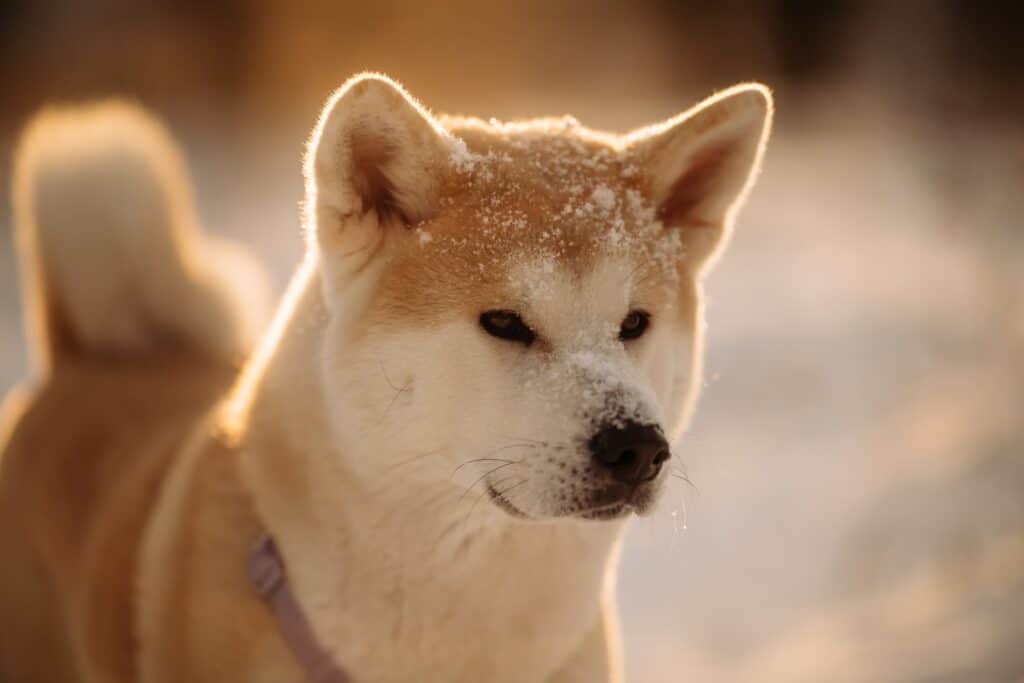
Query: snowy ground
[[857, 511]]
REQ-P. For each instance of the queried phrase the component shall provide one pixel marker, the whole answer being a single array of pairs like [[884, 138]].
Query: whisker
[[475, 460], [447, 530], [420, 505], [523, 438], [482, 494], [483, 476], [409, 461], [510, 488], [681, 473], [487, 457]]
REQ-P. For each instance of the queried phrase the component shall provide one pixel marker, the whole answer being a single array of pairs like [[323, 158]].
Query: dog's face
[[514, 309]]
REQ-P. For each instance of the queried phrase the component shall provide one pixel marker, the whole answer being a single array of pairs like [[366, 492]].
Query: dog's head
[[515, 308]]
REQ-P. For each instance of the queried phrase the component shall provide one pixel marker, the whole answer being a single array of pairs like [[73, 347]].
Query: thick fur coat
[[423, 428]]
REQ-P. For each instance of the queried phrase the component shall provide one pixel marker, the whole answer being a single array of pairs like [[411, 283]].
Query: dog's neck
[[377, 546]]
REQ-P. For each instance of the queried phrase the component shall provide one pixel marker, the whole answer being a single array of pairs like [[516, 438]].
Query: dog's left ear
[[373, 164], [699, 166]]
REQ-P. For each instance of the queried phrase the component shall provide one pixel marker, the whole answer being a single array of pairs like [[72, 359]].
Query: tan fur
[[139, 468]]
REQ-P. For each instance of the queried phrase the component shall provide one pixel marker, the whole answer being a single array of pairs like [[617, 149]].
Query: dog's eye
[[634, 325], [506, 325]]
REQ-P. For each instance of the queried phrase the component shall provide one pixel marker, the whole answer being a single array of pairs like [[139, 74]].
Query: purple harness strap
[[266, 571]]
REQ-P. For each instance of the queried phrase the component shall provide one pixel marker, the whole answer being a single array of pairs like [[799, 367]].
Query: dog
[[469, 387]]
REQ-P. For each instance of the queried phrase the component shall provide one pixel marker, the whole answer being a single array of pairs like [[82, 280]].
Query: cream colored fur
[[366, 430], [110, 243]]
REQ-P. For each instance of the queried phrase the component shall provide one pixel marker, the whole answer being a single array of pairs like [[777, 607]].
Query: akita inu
[[472, 382]]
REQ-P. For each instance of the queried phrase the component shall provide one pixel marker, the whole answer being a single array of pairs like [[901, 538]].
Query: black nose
[[633, 452]]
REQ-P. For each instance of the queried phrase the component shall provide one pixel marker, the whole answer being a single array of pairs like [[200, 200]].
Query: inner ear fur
[[700, 165], [375, 154]]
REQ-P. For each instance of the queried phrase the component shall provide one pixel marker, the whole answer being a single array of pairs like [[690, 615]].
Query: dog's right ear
[[374, 163], [699, 166]]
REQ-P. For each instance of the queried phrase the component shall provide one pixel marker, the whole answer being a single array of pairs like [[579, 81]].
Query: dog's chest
[[508, 617]]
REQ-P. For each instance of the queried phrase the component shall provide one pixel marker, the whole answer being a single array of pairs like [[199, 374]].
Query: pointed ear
[[373, 164], [699, 165]]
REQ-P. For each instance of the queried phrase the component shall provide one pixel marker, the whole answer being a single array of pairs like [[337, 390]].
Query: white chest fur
[[445, 597]]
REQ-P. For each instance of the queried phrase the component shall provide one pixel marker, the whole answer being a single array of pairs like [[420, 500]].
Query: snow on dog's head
[[516, 307]]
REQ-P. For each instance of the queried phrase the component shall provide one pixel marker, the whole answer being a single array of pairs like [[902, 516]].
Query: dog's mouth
[[617, 503], [607, 506], [606, 512], [504, 503]]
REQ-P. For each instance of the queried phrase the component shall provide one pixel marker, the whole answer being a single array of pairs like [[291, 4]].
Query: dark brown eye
[[634, 325], [506, 325]]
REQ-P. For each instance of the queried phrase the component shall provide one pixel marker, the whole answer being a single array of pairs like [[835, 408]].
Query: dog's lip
[[606, 512], [504, 503], [637, 499]]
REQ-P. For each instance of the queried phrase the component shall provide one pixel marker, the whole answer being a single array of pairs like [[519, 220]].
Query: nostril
[[632, 452], [657, 461], [624, 458]]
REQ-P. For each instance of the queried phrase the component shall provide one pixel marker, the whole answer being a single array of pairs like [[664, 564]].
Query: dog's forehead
[[528, 211], [542, 177], [547, 188]]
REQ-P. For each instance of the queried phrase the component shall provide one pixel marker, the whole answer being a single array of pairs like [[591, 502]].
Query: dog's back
[[136, 321], [81, 469]]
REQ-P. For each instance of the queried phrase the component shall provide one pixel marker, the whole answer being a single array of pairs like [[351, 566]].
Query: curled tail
[[112, 258]]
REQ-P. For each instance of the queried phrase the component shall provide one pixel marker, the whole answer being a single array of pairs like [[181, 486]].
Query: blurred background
[[857, 507]]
